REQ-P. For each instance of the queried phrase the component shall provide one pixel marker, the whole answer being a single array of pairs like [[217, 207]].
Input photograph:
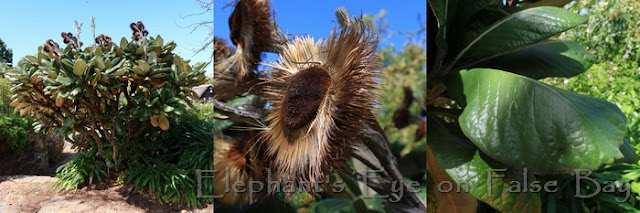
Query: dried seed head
[[402, 117], [52, 47], [220, 49], [306, 90], [103, 40], [234, 165], [320, 94], [138, 31], [250, 28]]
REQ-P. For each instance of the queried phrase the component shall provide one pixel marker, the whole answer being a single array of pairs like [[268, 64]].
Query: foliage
[[161, 162], [203, 111], [6, 54], [619, 84], [616, 190], [612, 35], [14, 131], [83, 169], [487, 110], [5, 96], [168, 181], [166, 163], [611, 32], [107, 91], [404, 68]]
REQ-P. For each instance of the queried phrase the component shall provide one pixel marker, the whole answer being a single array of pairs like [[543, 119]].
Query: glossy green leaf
[[524, 123], [471, 170], [519, 29], [545, 59]]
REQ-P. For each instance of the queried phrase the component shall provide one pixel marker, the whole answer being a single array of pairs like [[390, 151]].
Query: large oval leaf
[[464, 164], [79, 67], [524, 123], [519, 29], [545, 59]]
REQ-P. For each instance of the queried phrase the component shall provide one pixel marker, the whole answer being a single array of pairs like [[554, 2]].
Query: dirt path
[[24, 193]]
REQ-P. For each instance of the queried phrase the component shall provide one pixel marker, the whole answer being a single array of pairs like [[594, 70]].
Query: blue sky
[[27, 24], [317, 18]]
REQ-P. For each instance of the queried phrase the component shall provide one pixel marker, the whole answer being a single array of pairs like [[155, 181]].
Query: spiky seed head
[[305, 92], [320, 93], [230, 167], [250, 30]]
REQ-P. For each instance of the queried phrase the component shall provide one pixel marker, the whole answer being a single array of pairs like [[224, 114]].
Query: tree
[[6, 54], [487, 111], [106, 91]]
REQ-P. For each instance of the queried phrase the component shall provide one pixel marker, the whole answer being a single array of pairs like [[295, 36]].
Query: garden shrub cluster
[[164, 163], [14, 130], [126, 107]]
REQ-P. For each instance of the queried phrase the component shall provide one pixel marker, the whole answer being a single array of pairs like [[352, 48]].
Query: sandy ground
[[35, 194]]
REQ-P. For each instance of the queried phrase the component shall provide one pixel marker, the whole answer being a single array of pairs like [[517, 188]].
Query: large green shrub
[[167, 163], [107, 92]]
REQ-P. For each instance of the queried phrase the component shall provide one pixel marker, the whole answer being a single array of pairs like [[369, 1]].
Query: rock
[[33, 158]]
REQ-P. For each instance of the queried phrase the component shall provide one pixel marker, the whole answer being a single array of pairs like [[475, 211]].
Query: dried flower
[[320, 92]]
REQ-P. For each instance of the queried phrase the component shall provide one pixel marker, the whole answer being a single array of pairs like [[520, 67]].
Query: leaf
[[144, 66], [515, 119], [628, 152], [448, 201], [32, 59], [79, 67], [123, 42], [66, 81], [519, 29], [464, 163], [154, 121], [163, 122], [60, 101], [168, 108], [159, 40], [75, 91], [546, 59]]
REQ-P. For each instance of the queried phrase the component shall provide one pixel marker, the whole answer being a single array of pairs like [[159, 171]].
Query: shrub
[[14, 132], [168, 181], [83, 169], [166, 163], [107, 91], [5, 96]]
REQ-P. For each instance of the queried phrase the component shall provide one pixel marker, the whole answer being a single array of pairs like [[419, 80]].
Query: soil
[[31, 193]]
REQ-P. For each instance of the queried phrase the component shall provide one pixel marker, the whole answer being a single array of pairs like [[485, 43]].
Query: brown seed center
[[305, 92]]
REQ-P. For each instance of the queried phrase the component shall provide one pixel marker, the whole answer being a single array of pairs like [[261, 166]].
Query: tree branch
[[238, 114]]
